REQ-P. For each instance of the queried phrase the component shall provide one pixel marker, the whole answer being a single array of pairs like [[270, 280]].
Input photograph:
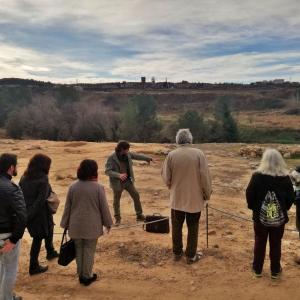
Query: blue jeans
[[8, 270]]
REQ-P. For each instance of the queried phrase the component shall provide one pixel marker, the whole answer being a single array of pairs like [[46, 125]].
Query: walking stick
[[206, 225]]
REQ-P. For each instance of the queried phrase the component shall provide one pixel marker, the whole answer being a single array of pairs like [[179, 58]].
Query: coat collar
[[185, 145], [115, 158], [7, 176]]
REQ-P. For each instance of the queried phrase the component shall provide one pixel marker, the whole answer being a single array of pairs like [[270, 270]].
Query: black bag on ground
[[67, 250], [157, 227]]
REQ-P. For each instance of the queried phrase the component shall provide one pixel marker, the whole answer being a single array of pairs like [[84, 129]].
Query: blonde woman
[[269, 195]]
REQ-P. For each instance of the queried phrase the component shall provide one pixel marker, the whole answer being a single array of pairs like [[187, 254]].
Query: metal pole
[[206, 225]]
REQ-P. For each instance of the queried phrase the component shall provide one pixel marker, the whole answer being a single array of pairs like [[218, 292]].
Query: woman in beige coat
[[86, 213], [185, 172]]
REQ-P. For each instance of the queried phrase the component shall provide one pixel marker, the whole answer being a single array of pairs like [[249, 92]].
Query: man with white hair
[[186, 174]]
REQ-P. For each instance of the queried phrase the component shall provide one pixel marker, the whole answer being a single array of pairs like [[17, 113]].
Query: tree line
[[66, 117]]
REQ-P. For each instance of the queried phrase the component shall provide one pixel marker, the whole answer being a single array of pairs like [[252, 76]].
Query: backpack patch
[[271, 214]]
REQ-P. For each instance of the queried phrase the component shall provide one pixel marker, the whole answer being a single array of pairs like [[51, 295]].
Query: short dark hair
[[88, 169], [38, 166], [6, 161], [122, 145]]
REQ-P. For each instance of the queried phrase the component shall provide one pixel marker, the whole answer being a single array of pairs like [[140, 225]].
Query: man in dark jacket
[[119, 169], [12, 225]]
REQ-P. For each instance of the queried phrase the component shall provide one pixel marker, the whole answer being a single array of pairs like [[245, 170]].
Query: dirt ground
[[134, 264]]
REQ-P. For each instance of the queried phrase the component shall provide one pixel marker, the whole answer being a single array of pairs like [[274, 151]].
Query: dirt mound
[[72, 151], [147, 255], [59, 177], [35, 147], [75, 144], [257, 151]]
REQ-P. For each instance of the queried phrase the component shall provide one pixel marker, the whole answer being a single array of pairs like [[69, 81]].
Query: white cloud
[[24, 63], [166, 33], [238, 67]]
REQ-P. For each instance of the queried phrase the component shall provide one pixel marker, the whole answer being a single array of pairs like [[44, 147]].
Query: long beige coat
[[185, 172], [86, 210]]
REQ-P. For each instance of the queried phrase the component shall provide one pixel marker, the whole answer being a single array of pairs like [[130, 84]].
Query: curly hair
[[122, 145], [184, 136]]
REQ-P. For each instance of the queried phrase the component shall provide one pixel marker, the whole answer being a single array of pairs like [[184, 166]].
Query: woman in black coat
[[36, 189], [269, 195]]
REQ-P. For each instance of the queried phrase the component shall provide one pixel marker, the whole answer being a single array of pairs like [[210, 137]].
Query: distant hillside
[[258, 108]]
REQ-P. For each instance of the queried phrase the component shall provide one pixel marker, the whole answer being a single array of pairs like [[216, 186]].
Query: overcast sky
[[113, 40]]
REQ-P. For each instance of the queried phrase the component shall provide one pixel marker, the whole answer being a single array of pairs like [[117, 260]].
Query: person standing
[[119, 168], [295, 177], [86, 213], [36, 189], [269, 195], [13, 218], [185, 172]]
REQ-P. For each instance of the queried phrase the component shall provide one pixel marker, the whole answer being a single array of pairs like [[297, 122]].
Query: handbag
[[162, 226], [53, 202], [67, 251]]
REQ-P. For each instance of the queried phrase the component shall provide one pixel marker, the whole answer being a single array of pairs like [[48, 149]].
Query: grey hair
[[272, 163], [184, 136]]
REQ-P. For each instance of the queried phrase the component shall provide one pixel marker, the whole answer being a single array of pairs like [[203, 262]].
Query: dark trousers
[[34, 252], [275, 235], [298, 215], [36, 248], [192, 220], [130, 188]]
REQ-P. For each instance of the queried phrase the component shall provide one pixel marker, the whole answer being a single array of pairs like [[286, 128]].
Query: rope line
[[141, 224], [230, 214], [125, 227], [243, 218], [226, 213]]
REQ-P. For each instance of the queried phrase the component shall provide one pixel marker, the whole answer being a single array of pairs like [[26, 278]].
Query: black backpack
[[271, 214]]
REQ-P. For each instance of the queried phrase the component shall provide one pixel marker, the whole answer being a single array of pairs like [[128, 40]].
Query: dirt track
[[134, 264]]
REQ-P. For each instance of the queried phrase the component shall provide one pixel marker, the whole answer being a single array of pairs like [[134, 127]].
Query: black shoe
[[177, 257], [81, 279], [52, 255], [15, 297], [275, 275], [257, 274], [38, 270], [88, 281], [140, 218], [118, 222]]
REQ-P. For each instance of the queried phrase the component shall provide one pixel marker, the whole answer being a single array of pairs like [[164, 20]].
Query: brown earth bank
[[260, 107], [134, 264]]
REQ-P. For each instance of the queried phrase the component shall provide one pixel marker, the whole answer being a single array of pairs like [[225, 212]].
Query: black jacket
[[36, 191], [258, 187], [12, 209]]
